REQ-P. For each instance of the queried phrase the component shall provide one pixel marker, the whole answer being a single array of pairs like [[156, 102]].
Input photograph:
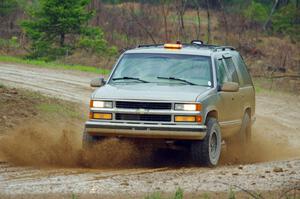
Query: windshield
[[163, 68]]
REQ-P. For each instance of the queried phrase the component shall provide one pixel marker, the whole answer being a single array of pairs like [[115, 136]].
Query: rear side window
[[231, 70], [243, 69], [221, 72]]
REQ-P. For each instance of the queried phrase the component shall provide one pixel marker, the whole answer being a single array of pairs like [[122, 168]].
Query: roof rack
[[223, 48], [148, 45], [194, 43]]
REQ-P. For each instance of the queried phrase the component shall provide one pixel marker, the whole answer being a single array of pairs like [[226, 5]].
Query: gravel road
[[274, 163]]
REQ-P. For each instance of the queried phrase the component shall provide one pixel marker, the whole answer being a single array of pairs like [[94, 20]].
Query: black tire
[[246, 130], [207, 152], [243, 138]]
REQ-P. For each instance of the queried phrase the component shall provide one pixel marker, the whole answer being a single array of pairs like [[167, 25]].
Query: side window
[[221, 72], [232, 70], [243, 69]]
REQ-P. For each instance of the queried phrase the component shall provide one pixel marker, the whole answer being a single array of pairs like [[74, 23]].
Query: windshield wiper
[[177, 79], [131, 78]]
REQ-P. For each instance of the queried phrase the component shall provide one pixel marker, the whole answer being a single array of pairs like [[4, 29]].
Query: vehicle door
[[225, 97], [247, 92], [237, 108]]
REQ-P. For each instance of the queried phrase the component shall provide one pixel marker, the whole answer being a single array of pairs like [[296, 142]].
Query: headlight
[[101, 104], [188, 107]]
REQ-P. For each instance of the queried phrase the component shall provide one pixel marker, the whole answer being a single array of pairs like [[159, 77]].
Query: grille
[[146, 117], [143, 105]]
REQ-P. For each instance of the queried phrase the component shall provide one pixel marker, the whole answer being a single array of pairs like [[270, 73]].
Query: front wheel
[[89, 141], [207, 152]]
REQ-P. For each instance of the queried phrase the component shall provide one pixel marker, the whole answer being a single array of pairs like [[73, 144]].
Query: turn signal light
[[180, 118], [101, 116]]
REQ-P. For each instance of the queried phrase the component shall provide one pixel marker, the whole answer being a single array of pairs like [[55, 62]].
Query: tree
[[56, 25], [270, 15], [165, 7], [7, 6], [256, 12], [181, 8], [285, 21], [208, 21]]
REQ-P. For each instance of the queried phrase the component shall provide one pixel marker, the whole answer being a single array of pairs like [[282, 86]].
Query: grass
[[157, 195], [59, 108], [231, 194], [55, 65]]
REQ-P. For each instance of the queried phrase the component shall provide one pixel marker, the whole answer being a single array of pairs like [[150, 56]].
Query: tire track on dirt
[[56, 83]]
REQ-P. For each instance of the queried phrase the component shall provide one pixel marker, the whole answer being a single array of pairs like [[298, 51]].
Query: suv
[[191, 95]]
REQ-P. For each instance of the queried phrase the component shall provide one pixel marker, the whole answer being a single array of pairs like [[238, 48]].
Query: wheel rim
[[213, 146]]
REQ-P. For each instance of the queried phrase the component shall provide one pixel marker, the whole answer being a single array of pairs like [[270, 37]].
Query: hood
[[149, 91]]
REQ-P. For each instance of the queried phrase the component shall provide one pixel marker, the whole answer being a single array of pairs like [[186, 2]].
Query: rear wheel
[[243, 138], [245, 132], [238, 145], [207, 152]]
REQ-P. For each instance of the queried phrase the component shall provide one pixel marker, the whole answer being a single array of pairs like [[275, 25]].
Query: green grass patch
[[58, 109], [258, 89], [55, 65], [157, 195]]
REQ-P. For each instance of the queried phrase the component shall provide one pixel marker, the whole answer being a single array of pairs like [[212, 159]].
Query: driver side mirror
[[230, 87], [98, 82]]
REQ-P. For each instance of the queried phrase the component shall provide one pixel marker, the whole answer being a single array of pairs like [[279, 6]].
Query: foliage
[[58, 108], [55, 26], [157, 195], [93, 40], [9, 44], [256, 12], [287, 21], [7, 6], [179, 194], [231, 194]]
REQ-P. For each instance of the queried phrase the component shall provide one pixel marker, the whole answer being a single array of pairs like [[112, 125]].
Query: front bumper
[[138, 130]]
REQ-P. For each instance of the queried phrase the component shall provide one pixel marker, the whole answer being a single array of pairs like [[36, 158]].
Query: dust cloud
[[260, 149], [46, 145]]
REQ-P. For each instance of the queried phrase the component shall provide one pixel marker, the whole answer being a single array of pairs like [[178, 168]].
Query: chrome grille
[[144, 105], [143, 117]]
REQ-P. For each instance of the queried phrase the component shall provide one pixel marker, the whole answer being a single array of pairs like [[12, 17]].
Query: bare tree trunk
[[208, 21], [199, 23], [225, 20], [270, 15], [62, 39], [196, 3], [181, 6], [165, 12], [133, 15]]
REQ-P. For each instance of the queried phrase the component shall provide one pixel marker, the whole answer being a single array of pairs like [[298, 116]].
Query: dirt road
[[273, 164]]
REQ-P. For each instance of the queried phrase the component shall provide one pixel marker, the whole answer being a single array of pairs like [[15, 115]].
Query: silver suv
[[191, 95]]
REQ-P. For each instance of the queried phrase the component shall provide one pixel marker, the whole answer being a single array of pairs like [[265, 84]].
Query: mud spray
[[44, 145], [48, 145]]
